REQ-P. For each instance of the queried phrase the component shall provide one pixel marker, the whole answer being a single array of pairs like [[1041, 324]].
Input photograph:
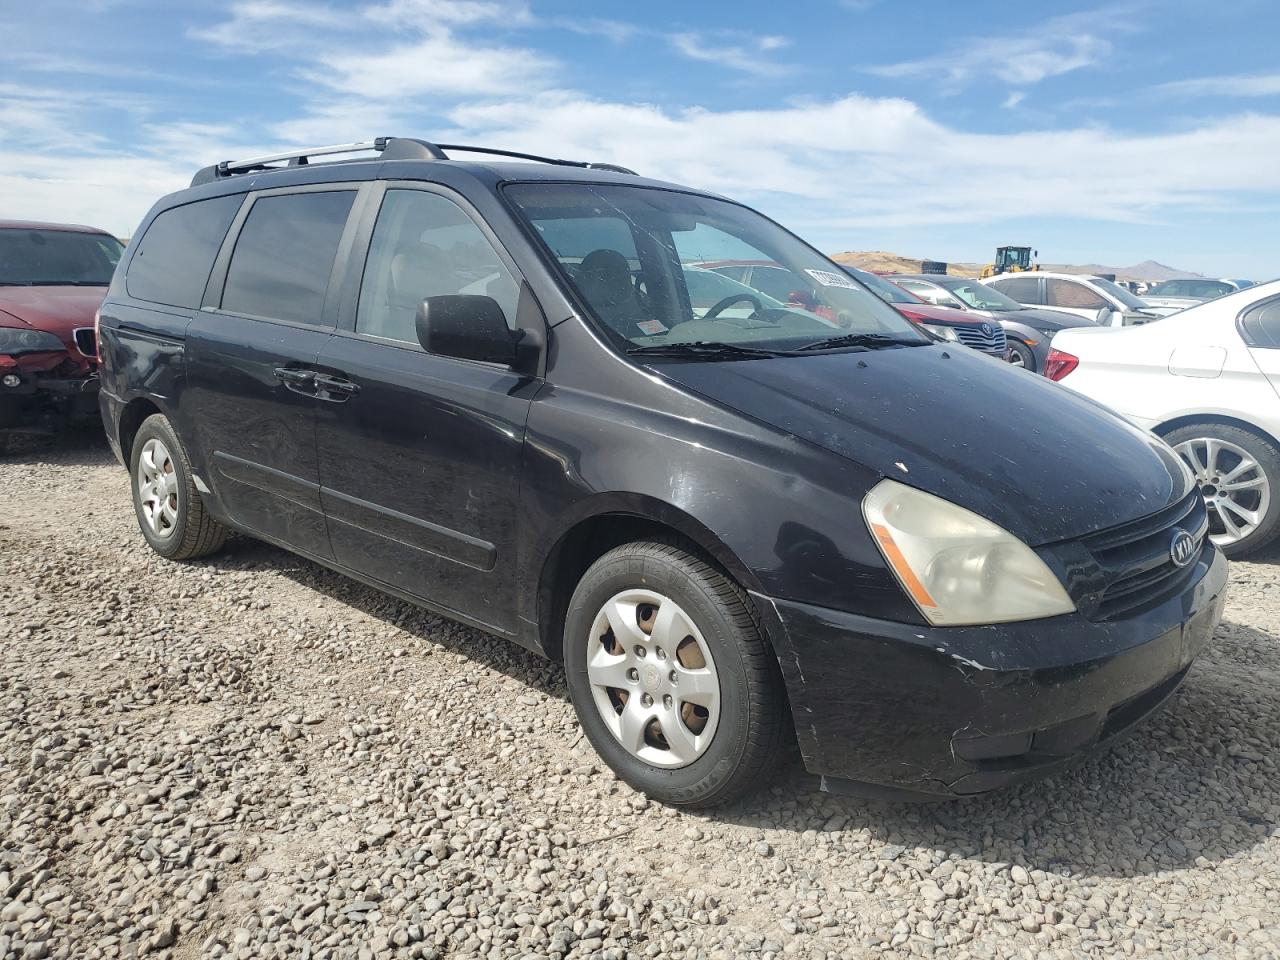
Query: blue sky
[[1108, 133]]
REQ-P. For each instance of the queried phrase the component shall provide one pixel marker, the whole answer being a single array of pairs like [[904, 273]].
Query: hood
[[928, 313], [1040, 460], [1044, 319], [59, 310]]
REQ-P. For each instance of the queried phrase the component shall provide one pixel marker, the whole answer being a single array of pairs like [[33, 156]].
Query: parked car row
[[525, 396]]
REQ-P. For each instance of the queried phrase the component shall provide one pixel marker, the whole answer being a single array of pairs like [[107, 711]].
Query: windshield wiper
[[872, 341], [704, 350], [68, 283]]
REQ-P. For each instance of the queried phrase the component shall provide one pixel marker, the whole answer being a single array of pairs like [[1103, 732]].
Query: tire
[[1259, 496], [1021, 356], [171, 515], [727, 737]]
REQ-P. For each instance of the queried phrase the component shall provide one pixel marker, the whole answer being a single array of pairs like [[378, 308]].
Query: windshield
[[57, 257], [980, 296], [1194, 289], [1130, 301], [882, 288], [639, 256]]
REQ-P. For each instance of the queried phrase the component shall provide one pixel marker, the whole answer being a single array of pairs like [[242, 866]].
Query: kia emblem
[[1183, 548]]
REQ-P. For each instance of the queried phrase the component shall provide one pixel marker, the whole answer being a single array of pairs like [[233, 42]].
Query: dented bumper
[[896, 709]]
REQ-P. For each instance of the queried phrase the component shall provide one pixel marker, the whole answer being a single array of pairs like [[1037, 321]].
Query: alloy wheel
[[653, 678], [1235, 487], [158, 488]]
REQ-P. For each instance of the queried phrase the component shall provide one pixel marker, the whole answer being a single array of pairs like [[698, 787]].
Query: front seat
[[604, 277]]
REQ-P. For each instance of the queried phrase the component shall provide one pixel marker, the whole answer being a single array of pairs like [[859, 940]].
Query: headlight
[[938, 330], [957, 567], [15, 340]]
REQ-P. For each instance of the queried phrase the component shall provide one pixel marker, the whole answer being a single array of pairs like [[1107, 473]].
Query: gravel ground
[[251, 756]]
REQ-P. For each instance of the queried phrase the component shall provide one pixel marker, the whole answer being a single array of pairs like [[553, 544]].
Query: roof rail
[[390, 148]]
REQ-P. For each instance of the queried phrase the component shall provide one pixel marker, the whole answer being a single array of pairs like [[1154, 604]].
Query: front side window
[[629, 253], [1069, 293], [284, 256], [48, 258], [1194, 289], [1117, 292], [172, 262], [425, 245], [981, 296]]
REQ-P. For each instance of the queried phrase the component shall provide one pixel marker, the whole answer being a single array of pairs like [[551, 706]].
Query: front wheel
[[170, 512], [672, 681], [1020, 355], [1239, 476]]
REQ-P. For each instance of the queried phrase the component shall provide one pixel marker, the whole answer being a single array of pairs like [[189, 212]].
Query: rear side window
[[1069, 293], [424, 245], [174, 257], [1022, 289], [1260, 326], [284, 255]]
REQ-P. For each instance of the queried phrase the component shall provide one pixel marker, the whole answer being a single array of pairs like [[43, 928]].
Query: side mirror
[[1104, 316], [466, 327]]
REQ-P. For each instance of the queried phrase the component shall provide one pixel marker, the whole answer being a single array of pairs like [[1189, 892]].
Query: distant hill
[[880, 261]]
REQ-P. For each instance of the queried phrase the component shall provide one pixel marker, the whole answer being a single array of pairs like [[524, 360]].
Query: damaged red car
[[53, 277]]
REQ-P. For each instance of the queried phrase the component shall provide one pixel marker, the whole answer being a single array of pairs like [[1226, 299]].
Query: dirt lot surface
[[251, 756]]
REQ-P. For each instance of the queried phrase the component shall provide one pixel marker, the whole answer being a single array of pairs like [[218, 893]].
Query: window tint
[[174, 257], [424, 245], [931, 294], [1261, 325], [1022, 289], [1070, 293], [284, 255], [1195, 289]]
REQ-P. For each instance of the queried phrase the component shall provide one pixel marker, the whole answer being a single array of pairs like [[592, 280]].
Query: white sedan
[[1206, 379]]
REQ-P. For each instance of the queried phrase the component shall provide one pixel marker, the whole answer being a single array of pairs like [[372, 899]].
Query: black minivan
[[742, 525]]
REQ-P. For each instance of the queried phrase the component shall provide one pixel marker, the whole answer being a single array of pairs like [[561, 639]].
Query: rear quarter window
[[1022, 289], [1260, 325], [174, 257]]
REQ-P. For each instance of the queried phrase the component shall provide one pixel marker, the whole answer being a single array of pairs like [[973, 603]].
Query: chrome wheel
[[653, 678], [1235, 487], [158, 488]]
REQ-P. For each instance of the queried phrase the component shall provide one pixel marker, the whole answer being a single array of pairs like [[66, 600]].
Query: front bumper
[[41, 400], [946, 712]]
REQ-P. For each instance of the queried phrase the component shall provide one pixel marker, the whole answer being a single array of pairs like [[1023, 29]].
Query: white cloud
[[256, 26], [1014, 98], [1237, 85], [1054, 47], [736, 51], [430, 15], [615, 31]]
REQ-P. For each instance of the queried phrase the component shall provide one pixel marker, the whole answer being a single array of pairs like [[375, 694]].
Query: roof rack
[[390, 148]]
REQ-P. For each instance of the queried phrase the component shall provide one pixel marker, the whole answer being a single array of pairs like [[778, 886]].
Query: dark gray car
[[1029, 330]]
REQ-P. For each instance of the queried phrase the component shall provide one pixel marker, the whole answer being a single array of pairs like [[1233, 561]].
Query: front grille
[[1136, 562], [993, 343]]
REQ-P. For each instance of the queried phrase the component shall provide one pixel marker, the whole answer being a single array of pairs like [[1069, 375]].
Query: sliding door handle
[[301, 381], [334, 388]]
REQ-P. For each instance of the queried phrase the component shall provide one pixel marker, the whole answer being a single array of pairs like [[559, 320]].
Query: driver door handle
[[334, 388], [299, 381]]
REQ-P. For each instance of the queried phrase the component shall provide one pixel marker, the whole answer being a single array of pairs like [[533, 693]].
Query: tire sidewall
[[603, 581], [1267, 456], [1026, 353], [158, 428]]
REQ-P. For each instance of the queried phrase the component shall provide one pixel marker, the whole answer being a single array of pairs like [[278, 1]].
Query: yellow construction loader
[[1011, 260]]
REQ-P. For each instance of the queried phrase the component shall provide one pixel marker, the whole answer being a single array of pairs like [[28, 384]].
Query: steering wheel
[[721, 305]]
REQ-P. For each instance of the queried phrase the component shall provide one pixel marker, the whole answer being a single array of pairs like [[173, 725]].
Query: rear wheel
[[1239, 476], [672, 681], [1020, 355], [170, 512]]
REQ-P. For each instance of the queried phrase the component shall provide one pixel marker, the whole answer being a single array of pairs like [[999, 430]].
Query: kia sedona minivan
[[744, 526]]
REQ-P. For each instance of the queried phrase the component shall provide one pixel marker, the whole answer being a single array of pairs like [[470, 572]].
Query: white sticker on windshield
[[651, 328], [828, 279]]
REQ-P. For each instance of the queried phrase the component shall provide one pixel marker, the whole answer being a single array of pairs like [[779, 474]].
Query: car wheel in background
[[1239, 475], [170, 512], [1020, 355], [673, 682]]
